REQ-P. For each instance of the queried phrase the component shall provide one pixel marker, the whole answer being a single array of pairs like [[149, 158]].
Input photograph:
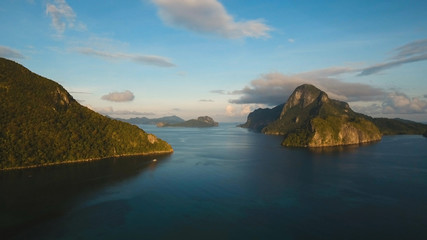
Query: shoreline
[[155, 153]]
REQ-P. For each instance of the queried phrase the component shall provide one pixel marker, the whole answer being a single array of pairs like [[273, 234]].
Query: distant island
[[153, 121], [41, 124], [398, 126], [311, 119], [200, 122]]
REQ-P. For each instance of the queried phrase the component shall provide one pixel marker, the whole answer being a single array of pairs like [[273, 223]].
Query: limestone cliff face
[[344, 133], [303, 96], [310, 119]]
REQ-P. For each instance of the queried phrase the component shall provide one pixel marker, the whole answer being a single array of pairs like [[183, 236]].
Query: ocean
[[225, 183]]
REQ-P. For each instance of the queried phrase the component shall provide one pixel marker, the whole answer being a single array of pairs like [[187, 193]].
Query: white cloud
[[243, 110], [208, 16], [400, 103], [246, 109], [141, 59], [125, 96], [291, 40], [229, 110], [63, 16], [395, 103], [7, 52]]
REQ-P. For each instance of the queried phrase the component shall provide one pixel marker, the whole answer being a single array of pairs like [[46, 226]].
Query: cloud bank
[[275, 88], [7, 52], [62, 16], [140, 59], [397, 102], [208, 16], [125, 96]]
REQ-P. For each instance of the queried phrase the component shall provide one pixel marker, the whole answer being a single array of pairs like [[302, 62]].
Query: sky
[[223, 58]]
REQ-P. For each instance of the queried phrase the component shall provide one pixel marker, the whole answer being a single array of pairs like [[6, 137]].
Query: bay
[[225, 183]]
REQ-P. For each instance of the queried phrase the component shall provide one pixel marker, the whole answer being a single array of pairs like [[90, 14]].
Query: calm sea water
[[226, 183]]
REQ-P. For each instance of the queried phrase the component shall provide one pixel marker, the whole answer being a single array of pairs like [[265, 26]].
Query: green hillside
[[41, 123]]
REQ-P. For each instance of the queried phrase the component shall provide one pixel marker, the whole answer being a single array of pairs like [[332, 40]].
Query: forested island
[[153, 121], [310, 118], [200, 122], [42, 124]]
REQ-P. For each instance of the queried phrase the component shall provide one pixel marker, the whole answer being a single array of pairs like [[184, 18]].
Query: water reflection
[[30, 196]]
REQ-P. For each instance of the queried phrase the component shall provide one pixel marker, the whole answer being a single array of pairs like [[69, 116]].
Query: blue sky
[[223, 58]]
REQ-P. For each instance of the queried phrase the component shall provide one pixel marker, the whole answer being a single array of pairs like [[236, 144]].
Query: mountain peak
[[303, 96]]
